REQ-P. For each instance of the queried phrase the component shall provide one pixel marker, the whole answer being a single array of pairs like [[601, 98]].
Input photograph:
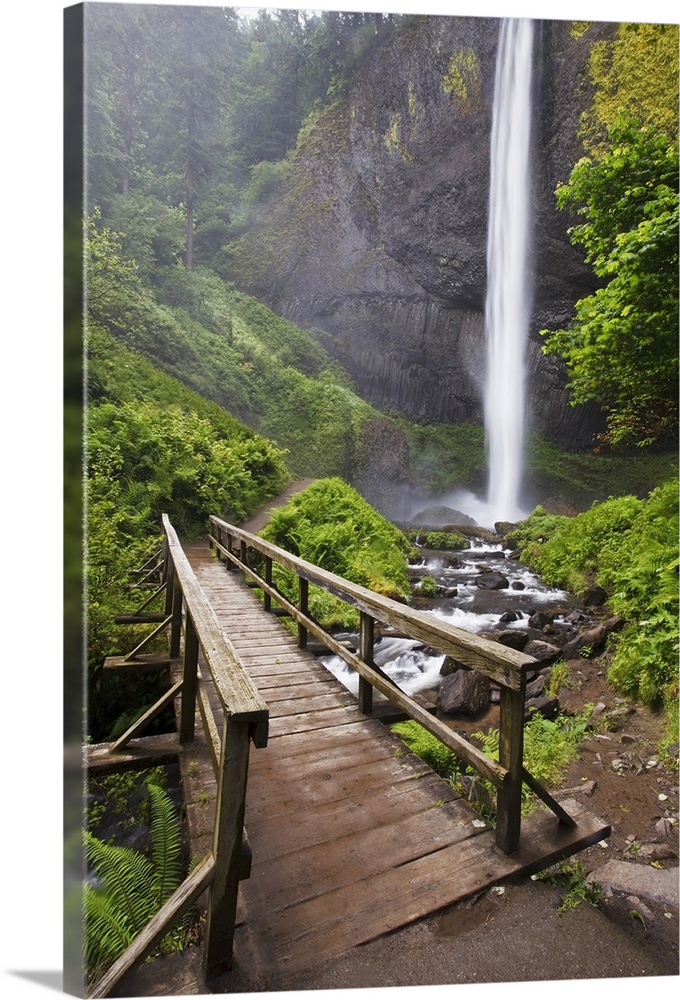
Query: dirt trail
[[260, 518]]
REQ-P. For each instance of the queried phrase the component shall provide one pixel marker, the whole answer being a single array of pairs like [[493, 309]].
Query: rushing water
[[474, 609], [508, 300]]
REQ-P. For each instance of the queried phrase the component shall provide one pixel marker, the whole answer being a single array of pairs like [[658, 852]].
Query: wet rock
[[561, 505], [576, 618], [440, 516], [513, 637], [450, 666], [544, 652], [465, 692], [489, 579], [510, 616], [517, 585], [594, 597], [547, 706], [587, 643], [535, 688], [540, 619]]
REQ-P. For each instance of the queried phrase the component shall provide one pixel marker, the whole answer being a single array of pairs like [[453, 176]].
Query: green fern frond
[[166, 834], [108, 931], [126, 876]]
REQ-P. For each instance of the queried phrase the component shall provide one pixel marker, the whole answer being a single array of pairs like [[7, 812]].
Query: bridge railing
[[255, 558], [245, 720]]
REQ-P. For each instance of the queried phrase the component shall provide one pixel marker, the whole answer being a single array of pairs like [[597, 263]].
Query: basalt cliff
[[376, 238]]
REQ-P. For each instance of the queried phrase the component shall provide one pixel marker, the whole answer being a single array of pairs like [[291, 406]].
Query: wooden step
[[140, 619], [148, 661]]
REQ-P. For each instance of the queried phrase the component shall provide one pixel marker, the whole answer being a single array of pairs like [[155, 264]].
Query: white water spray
[[508, 298]]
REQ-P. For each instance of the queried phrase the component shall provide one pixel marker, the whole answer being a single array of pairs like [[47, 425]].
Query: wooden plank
[[321, 821], [390, 899], [306, 721], [239, 696], [332, 785], [148, 661], [146, 751], [343, 860]]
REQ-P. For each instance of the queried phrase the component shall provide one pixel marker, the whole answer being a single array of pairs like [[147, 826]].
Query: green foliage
[[331, 525], [586, 476], [621, 348], [550, 745], [427, 747], [129, 888], [230, 349], [445, 541], [570, 876], [428, 587], [630, 546]]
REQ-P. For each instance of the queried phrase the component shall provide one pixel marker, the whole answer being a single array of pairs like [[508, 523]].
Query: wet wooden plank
[[327, 925]]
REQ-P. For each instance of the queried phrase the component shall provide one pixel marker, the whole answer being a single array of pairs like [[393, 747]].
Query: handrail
[[506, 666], [245, 720]]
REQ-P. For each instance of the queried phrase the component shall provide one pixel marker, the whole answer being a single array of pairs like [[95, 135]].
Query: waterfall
[[509, 285]]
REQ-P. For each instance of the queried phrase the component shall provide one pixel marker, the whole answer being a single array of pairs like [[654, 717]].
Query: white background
[[30, 489]]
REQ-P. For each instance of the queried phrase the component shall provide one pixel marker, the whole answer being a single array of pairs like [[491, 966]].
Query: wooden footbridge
[[330, 832]]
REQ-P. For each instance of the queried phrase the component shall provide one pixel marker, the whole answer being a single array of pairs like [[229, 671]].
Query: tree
[[621, 347]]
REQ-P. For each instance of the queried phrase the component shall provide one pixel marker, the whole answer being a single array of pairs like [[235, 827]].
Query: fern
[[130, 887], [167, 844], [427, 747]]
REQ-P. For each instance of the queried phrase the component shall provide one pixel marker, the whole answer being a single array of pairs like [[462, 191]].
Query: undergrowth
[[630, 547]]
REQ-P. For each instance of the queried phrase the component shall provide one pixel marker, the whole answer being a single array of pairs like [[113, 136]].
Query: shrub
[[331, 525], [630, 546]]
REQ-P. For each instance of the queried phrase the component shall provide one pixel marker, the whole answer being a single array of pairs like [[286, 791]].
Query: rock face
[[377, 240]]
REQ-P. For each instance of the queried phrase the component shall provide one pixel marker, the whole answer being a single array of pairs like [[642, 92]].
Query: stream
[[471, 607]]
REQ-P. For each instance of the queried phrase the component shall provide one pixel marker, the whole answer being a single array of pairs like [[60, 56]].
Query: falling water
[[508, 299]]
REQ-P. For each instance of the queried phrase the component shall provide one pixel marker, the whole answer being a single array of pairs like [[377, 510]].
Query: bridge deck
[[352, 835]]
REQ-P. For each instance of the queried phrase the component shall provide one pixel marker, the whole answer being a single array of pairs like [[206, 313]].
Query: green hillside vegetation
[[331, 525], [630, 547], [234, 351], [153, 446]]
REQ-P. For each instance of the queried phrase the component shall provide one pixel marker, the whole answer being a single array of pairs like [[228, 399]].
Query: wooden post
[[230, 541], [176, 624], [366, 638], [267, 579], [229, 815], [218, 537], [169, 585], [244, 559], [189, 684], [303, 605], [511, 751]]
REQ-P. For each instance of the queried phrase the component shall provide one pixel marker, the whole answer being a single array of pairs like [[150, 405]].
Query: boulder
[[544, 652], [546, 705], [640, 896], [515, 638], [594, 597], [491, 580], [465, 692], [587, 643], [540, 619]]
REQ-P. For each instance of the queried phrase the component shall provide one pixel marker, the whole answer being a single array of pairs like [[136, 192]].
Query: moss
[[392, 140], [637, 71], [578, 28], [462, 78]]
